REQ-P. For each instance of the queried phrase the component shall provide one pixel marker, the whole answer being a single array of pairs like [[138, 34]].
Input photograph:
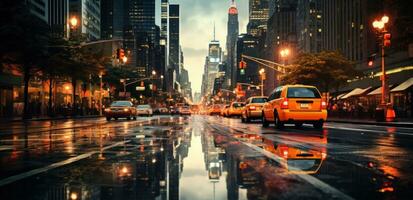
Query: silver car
[[144, 110]]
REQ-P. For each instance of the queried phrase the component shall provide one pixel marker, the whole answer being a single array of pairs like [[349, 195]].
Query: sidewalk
[[19, 119], [408, 123]]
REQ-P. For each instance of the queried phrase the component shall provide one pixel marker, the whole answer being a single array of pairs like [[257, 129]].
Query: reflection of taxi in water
[[295, 104], [297, 160]]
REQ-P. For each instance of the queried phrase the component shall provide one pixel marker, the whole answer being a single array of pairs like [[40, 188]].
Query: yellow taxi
[[235, 109], [295, 104], [253, 108], [215, 109]]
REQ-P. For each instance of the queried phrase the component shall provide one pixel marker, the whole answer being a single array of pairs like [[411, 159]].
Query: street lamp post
[[100, 94], [380, 26], [262, 75]]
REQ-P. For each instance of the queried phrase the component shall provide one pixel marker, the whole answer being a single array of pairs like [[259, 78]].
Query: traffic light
[[242, 64], [370, 61], [386, 40]]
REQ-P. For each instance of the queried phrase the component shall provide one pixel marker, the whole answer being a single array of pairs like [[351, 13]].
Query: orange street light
[[73, 21], [285, 52], [125, 59], [262, 71]]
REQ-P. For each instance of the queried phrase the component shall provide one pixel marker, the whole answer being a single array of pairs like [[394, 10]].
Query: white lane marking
[[5, 148], [335, 193], [33, 172], [366, 130]]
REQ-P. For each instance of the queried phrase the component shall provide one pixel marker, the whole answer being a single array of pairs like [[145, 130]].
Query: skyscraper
[[39, 9], [88, 13], [58, 18], [164, 19], [309, 28], [258, 16], [232, 35], [174, 42]]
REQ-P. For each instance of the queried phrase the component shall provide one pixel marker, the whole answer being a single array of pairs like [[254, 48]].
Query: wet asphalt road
[[202, 157]]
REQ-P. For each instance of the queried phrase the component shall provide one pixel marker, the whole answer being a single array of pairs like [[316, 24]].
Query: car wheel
[[116, 118], [128, 118], [134, 118], [277, 121], [298, 125], [318, 125], [264, 121], [242, 119], [107, 118]]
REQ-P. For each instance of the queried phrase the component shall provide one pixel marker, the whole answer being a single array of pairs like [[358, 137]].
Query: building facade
[[258, 16], [39, 8], [174, 40], [58, 18], [88, 14], [232, 35]]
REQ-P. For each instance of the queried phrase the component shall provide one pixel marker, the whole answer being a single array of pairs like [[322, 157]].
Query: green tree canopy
[[326, 70]]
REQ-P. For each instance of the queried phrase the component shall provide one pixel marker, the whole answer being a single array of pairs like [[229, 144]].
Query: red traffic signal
[[242, 64], [121, 54], [370, 63], [387, 39]]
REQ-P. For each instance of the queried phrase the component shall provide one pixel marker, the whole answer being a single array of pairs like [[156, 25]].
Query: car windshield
[[259, 100], [144, 106], [303, 92], [237, 105], [121, 103]]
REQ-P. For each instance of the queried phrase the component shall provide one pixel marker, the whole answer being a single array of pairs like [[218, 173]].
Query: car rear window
[[302, 92], [121, 103], [259, 100], [237, 105], [144, 106]]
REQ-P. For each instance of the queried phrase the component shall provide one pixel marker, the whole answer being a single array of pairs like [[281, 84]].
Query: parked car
[[120, 109], [253, 108], [184, 110], [235, 109], [295, 104], [173, 110], [163, 111], [144, 110]]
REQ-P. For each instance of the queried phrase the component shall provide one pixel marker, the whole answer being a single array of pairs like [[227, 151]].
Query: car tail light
[[284, 104], [284, 152], [252, 108], [323, 105]]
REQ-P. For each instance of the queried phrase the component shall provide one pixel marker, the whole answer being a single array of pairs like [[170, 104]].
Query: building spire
[[214, 30]]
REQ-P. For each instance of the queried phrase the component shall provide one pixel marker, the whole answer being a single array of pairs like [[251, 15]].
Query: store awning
[[404, 86], [355, 92], [341, 95], [375, 92]]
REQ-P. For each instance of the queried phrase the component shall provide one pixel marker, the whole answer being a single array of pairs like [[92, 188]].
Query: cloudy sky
[[197, 22]]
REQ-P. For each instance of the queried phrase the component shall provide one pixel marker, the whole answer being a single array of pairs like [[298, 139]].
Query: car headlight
[[107, 109], [126, 109]]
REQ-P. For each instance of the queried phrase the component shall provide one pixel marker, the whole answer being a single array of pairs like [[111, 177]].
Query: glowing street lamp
[[125, 59], [154, 73], [262, 74], [73, 22], [285, 52], [385, 36]]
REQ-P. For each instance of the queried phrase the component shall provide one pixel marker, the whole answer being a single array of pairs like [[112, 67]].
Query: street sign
[[140, 88]]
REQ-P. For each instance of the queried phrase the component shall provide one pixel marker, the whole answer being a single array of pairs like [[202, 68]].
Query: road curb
[[397, 124], [49, 119]]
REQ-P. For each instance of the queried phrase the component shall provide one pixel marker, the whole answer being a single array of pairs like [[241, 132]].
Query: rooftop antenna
[[214, 30]]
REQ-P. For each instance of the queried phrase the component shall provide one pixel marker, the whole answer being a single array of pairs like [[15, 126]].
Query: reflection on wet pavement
[[189, 158]]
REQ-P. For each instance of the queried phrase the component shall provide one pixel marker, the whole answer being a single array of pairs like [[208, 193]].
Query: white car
[[144, 110]]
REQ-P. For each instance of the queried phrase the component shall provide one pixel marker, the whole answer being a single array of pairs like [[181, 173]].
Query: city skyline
[[194, 27]]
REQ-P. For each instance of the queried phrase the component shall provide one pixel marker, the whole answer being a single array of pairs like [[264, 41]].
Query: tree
[[23, 39], [324, 70]]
